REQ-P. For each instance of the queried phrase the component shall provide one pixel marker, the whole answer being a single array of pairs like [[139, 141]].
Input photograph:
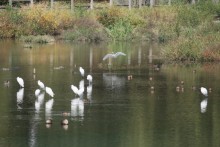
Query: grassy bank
[[186, 32]]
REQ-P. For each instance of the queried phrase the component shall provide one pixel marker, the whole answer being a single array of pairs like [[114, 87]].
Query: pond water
[[160, 105]]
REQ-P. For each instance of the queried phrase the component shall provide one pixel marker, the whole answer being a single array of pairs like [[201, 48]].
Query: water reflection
[[77, 107], [20, 96], [39, 101], [132, 116], [112, 80], [89, 92], [203, 105], [65, 127], [37, 106], [34, 130], [48, 108]]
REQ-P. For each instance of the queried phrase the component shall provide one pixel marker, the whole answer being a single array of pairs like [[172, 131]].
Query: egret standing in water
[[77, 91], [49, 104], [113, 55], [37, 92], [89, 78], [49, 91], [41, 84], [20, 81], [82, 71], [204, 91]]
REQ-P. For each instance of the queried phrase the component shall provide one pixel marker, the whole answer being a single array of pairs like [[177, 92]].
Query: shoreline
[[183, 31]]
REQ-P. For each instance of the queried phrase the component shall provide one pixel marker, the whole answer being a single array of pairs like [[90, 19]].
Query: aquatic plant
[[37, 39]]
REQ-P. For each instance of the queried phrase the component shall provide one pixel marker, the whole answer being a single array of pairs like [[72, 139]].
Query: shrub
[[184, 49], [10, 23], [41, 20], [86, 29], [211, 54], [108, 17], [188, 17], [121, 30]]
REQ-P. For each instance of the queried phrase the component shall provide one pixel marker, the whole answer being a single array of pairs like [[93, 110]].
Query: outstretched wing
[[107, 56], [120, 53], [75, 89]]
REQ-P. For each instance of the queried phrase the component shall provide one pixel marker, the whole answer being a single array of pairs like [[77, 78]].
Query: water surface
[[159, 106]]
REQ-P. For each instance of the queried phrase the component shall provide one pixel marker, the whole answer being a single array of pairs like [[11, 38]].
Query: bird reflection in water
[[77, 108], [33, 131], [203, 105], [89, 92], [112, 81], [48, 106], [35, 119], [65, 127], [39, 101], [20, 96]]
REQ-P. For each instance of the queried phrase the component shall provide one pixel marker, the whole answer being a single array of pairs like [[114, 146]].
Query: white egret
[[77, 91], [41, 84], [37, 92], [81, 84], [49, 104], [20, 81], [49, 91], [82, 71], [114, 55], [89, 78], [203, 105], [204, 91], [40, 97]]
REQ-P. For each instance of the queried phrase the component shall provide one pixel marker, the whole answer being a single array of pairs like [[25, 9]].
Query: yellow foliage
[[46, 19]]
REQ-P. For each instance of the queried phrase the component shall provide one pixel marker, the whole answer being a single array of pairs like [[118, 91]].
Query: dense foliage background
[[187, 31]]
